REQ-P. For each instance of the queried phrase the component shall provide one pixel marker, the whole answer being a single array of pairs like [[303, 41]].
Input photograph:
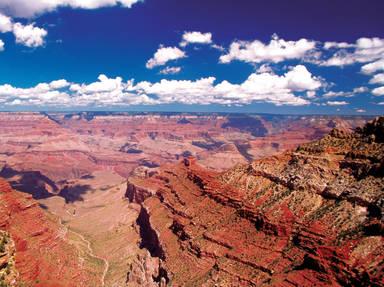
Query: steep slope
[[43, 255], [313, 217], [8, 272]]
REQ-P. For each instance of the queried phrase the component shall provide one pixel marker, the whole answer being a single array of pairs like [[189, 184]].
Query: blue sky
[[233, 56]]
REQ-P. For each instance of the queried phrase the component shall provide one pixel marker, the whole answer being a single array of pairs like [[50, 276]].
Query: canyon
[[312, 217], [167, 199]]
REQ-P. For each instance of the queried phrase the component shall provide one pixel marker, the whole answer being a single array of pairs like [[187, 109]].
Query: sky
[[275, 56]]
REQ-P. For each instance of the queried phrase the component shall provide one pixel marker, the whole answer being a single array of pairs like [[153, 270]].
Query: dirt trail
[[90, 251]]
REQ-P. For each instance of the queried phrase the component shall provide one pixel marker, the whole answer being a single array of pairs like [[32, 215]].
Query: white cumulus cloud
[[364, 50], [377, 79], [360, 90], [164, 55], [196, 38], [276, 51], [5, 24], [378, 91], [311, 94], [29, 35], [59, 84], [104, 85], [339, 45], [373, 67]]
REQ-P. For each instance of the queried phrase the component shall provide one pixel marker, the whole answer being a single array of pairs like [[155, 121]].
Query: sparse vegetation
[[3, 242], [7, 271]]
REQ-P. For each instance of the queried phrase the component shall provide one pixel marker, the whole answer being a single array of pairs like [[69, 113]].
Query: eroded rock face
[[72, 155], [8, 272], [43, 257], [143, 271], [312, 217]]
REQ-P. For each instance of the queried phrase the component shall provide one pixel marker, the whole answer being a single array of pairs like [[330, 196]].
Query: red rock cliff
[[313, 217], [43, 255]]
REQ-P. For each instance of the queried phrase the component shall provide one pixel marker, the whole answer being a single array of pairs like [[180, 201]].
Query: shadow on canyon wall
[[74, 193], [31, 182], [42, 187], [247, 123]]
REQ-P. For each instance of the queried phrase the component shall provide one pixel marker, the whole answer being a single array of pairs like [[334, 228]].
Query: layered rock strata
[[42, 255], [312, 217]]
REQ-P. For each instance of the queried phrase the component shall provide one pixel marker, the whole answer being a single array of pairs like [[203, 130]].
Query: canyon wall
[[42, 254], [311, 217], [216, 218]]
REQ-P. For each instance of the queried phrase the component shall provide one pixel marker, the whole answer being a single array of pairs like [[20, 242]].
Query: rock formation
[[8, 272], [68, 146], [41, 254], [311, 217], [196, 227]]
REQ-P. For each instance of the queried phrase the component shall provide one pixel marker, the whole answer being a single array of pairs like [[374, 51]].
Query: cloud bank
[[258, 87]]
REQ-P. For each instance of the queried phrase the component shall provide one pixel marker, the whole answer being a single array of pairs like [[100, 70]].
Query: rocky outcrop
[[8, 272], [130, 148], [43, 256], [137, 194], [151, 265], [146, 271], [312, 217]]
